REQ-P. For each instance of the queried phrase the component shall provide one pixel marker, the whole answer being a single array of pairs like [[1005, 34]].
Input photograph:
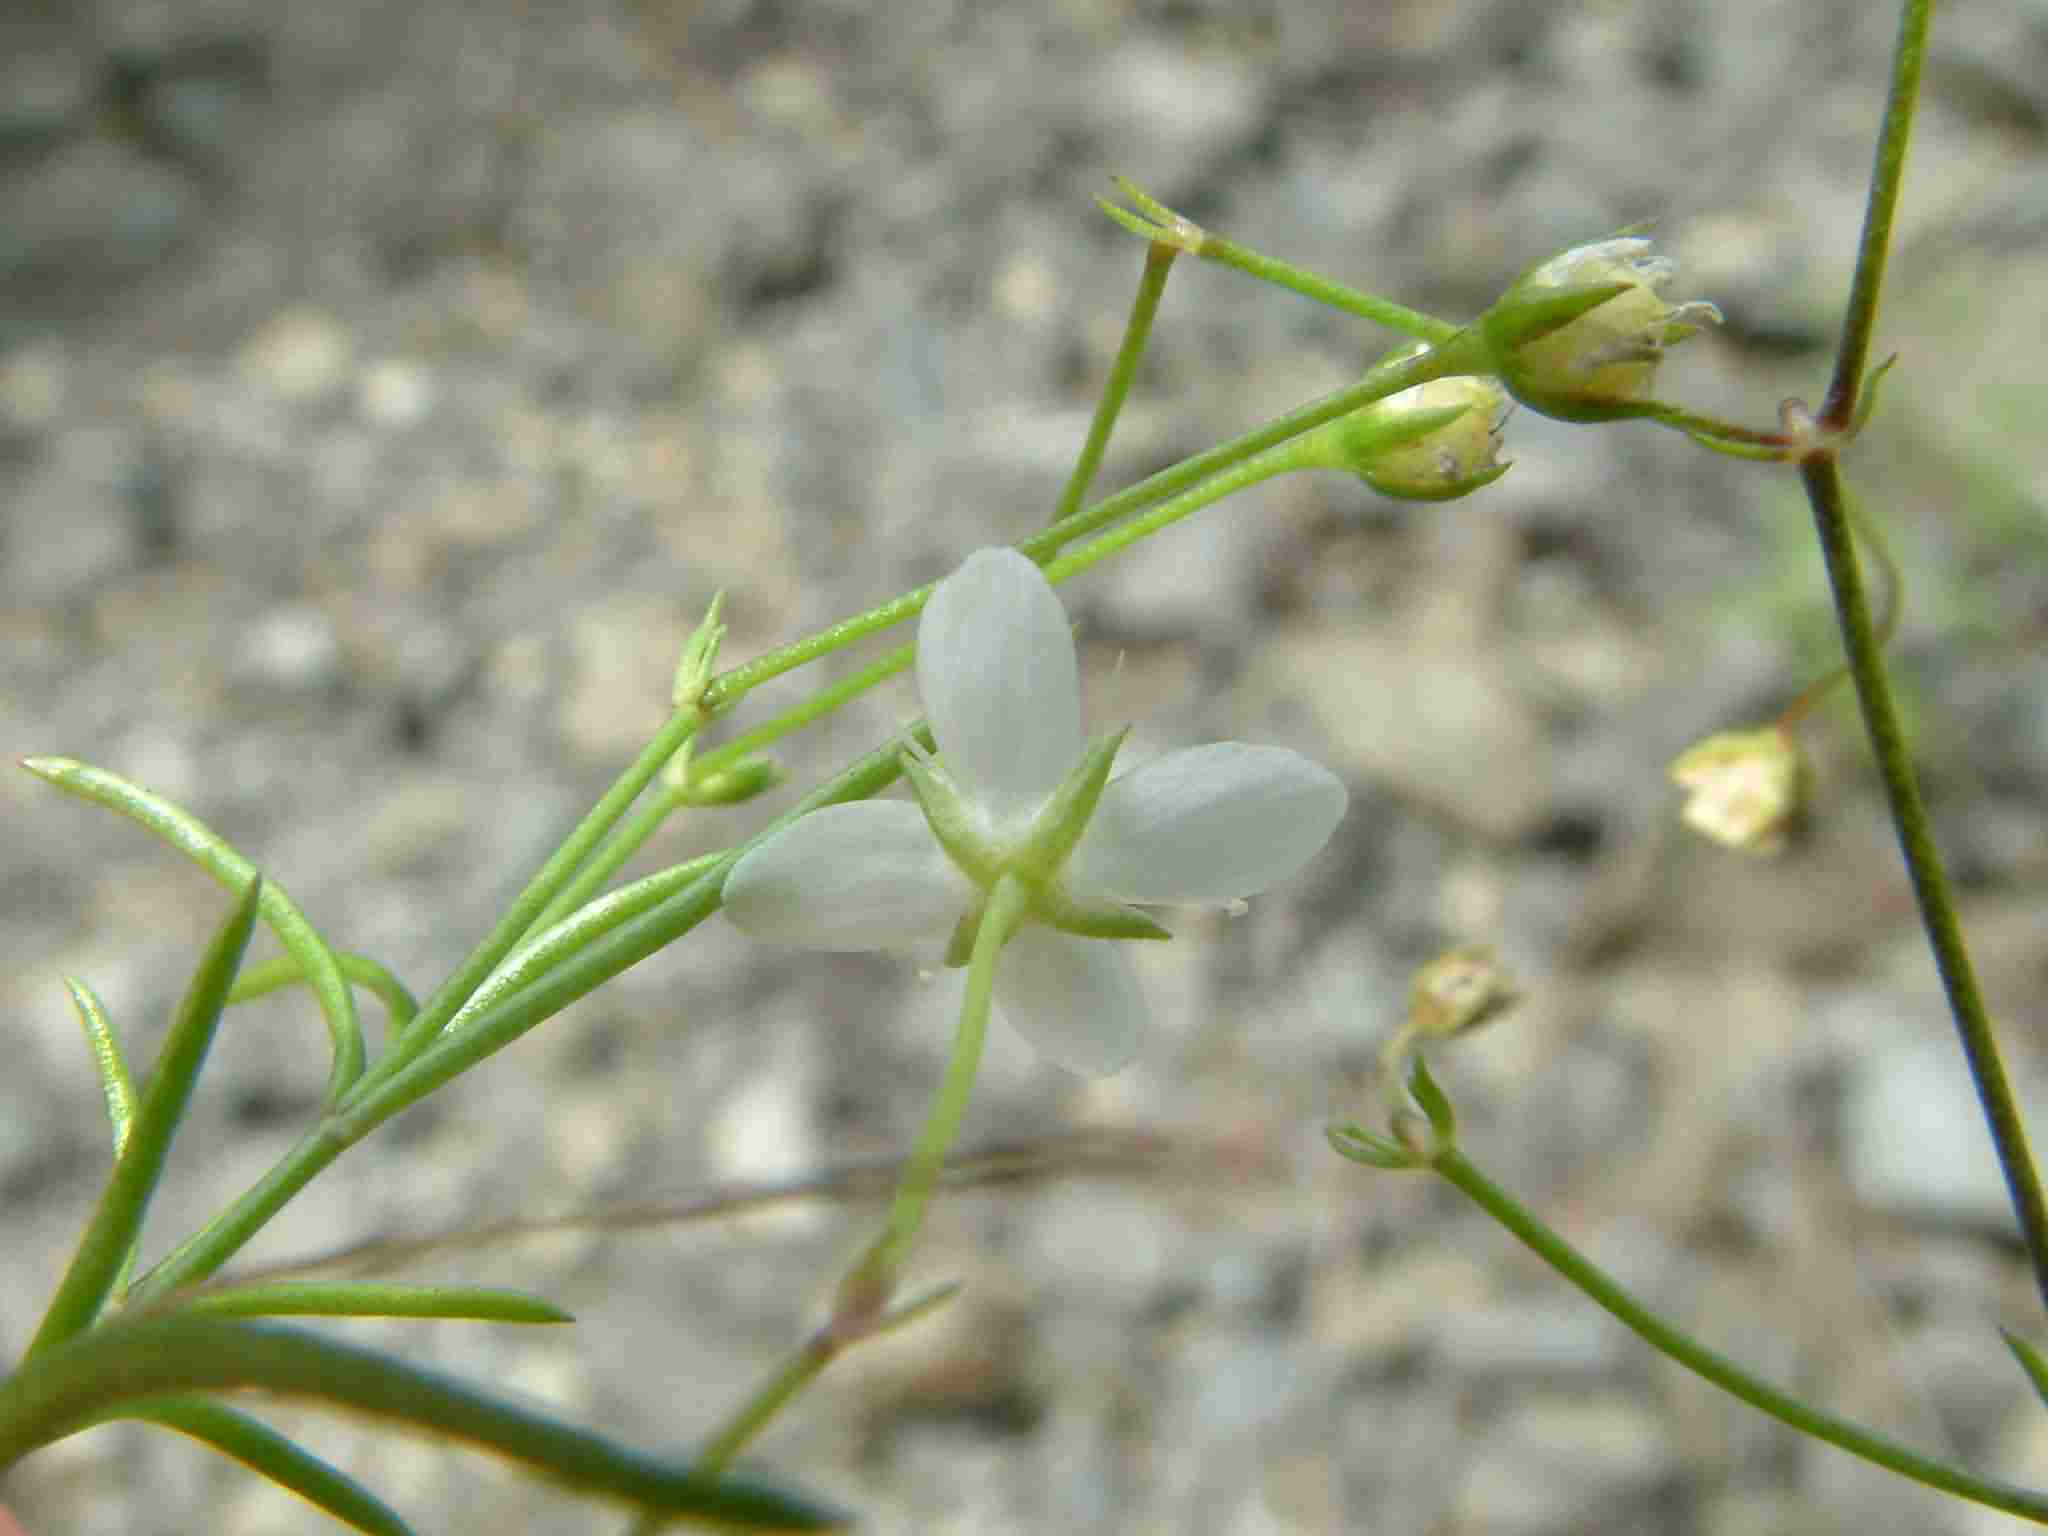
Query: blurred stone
[[1913, 1135], [292, 647], [92, 212], [395, 392], [300, 356]]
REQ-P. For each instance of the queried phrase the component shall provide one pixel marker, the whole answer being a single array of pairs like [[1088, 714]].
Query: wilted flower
[[1747, 789], [1433, 442], [1579, 336], [1016, 791]]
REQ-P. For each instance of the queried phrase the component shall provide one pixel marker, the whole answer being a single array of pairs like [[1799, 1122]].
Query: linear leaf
[[91, 1378], [107, 1057], [214, 854], [262, 1449], [337, 1298], [110, 1234]]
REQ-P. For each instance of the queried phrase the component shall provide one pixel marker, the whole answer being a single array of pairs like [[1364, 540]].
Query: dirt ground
[[386, 388]]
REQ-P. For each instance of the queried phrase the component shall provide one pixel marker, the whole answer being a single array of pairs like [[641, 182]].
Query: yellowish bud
[[1460, 990], [1580, 336], [1745, 789]]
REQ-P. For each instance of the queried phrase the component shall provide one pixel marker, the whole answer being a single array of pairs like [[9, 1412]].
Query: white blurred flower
[[1015, 792]]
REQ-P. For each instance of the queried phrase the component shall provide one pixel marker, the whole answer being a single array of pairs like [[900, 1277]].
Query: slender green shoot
[[286, 970], [1724, 1373], [1887, 176], [1137, 331]]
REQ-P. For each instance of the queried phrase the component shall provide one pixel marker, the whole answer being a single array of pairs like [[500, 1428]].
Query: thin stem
[[447, 1056], [625, 840], [1006, 904], [1353, 301], [803, 1367], [1381, 381], [1718, 1368], [1870, 540], [530, 903], [1822, 477], [1886, 175], [1137, 330]]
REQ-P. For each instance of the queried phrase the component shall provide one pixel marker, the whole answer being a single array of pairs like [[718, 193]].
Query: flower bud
[[1434, 442], [1460, 990], [1579, 336], [1746, 789]]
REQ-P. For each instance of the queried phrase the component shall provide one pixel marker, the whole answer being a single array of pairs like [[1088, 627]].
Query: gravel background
[[385, 388]]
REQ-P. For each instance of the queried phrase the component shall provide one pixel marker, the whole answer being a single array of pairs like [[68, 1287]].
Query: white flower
[[996, 667]]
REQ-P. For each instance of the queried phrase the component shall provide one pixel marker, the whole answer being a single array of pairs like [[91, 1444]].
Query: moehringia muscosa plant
[[1022, 849]]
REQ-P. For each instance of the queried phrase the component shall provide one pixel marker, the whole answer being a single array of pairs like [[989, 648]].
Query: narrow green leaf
[[340, 1298], [262, 1449], [108, 1058], [284, 970], [214, 854], [110, 1235], [2030, 1362], [97, 1375]]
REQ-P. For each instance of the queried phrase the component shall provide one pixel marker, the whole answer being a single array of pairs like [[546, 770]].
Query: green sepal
[[266, 1452], [1095, 920], [103, 1252], [1363, 1146], [1060, 823], [1519, 319], [1368, 432], [955, 827], [1443, 1119], [700, 655]]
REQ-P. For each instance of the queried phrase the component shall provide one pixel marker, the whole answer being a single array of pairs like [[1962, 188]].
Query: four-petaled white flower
[[1001, 687]]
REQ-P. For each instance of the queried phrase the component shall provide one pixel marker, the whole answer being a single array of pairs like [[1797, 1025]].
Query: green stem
[[1137, 330], [530, 903], [1870, 540], [1006, 904], [449, 1055], [282, 971], [1886, 176], [625, 840], [1397, 317], [1383, 380], [1822, 477], [1718, 1368]]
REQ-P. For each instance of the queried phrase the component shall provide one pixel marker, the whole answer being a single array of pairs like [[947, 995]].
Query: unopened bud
[[1746, 790], [1435, 442], [1579, 336], [1460, 990]]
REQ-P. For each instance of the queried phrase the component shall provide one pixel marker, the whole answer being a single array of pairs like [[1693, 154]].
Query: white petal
[[995, 664], [1074, 999], [862, 876], [1207, 825]]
